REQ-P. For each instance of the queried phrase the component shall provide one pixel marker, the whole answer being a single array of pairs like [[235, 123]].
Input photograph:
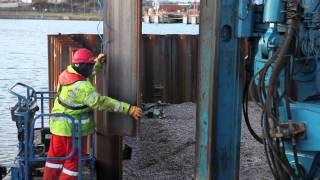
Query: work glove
[[135, 112], [101, 58]]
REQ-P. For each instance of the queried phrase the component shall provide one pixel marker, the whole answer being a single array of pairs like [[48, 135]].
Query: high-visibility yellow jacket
[[77, 96]]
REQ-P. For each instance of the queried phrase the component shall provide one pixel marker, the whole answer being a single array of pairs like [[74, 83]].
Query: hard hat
[[83, 56]]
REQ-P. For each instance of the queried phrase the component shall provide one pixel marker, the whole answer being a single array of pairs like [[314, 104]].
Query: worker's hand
[[135, 112], [101, 58]]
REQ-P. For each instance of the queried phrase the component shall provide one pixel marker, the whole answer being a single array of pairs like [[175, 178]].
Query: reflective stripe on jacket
[[76, 94]]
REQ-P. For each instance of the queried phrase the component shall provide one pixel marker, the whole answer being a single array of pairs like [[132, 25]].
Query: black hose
[[275, 152], [261, 85], [245, 96], [270, 161], [245, 113], [280, 169], [270, 101], [272, 98], [289, 116], [269, 156]]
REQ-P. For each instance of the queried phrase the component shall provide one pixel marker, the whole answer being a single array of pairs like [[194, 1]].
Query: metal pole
[[219, 93]]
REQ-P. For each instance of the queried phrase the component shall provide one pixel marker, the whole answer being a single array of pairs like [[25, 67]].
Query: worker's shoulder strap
[[70, 105]]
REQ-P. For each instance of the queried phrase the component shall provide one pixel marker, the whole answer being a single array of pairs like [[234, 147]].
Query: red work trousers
[[61, 146]]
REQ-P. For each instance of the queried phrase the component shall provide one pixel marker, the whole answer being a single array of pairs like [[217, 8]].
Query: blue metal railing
[[31, 138], [23, 115], [45, 95], [24, 165]]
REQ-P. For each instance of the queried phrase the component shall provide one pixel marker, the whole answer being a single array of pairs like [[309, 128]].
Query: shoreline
[[48, 15]]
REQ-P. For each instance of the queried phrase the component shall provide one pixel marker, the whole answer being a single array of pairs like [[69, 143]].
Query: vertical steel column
[[122, 32], [120, 80], [219, 93]]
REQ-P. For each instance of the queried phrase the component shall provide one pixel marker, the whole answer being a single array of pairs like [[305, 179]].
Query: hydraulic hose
[[245, 95], [270, 100], [275, 146], [245, 113], [289, 116]]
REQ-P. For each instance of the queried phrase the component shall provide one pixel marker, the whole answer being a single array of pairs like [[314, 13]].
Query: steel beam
[[219, 92], [120, 80], [122, 32]]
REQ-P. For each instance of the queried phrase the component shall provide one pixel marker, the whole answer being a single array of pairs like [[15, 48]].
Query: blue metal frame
[[219, 94], [46, 95], [21, 171]]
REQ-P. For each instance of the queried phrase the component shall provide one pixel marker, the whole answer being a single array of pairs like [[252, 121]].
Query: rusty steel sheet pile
[[169, 68], [61, 49]]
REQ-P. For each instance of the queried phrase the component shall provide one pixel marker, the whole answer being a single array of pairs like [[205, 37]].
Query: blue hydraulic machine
[[267, 51]]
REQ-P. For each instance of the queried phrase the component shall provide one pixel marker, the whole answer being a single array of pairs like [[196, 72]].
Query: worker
[[77, 97]]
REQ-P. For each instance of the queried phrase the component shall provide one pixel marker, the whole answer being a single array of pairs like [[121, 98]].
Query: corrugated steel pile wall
[[61, 49], [169, 65]]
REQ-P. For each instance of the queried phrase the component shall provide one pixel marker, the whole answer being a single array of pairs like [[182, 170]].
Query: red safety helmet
[[83, 56]]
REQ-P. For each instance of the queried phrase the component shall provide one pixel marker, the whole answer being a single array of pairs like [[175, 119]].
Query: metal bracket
[[296, 130]]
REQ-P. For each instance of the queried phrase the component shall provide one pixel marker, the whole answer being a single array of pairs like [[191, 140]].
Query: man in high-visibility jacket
[[76, 96]]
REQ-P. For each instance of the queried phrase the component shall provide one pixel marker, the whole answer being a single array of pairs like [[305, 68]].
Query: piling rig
[[285, 83], [276, 43]]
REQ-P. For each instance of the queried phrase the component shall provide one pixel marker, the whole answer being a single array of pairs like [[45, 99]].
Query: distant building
[[9, 4], [49, 1], [37, 1], [8, 1], [171, 5], [26, 1], [57, 1]]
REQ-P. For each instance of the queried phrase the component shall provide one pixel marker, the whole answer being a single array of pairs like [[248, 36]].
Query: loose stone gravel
[[165, 148]]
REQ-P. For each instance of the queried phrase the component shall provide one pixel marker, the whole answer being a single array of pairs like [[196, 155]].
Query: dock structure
[[171, 13], [171, 17]]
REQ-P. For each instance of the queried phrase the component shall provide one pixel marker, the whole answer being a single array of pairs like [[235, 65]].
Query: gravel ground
[[165, 148]]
